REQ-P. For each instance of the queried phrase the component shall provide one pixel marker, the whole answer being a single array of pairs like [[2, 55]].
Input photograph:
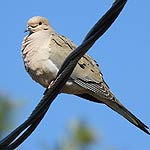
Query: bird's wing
[[86, 68], [88, 76]]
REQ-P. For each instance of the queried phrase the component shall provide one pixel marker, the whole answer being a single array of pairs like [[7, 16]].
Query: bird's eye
[[40, 23]]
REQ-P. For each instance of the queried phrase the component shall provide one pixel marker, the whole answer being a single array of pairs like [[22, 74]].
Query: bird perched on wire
[[44, 51]]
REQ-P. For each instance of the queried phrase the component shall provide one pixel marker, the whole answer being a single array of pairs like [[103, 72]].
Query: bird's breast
[[37, 62]]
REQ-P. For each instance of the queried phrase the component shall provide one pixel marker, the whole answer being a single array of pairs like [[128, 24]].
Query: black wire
[[116, 8], [97, 30], [25, 135]]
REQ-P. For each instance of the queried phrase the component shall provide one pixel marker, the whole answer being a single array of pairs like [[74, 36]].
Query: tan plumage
[[44, 51]]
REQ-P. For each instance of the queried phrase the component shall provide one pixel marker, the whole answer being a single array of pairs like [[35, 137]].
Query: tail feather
[[119, 108], [115, 105]]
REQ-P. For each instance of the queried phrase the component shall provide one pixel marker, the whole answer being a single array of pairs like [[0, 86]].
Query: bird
[[43, 52]]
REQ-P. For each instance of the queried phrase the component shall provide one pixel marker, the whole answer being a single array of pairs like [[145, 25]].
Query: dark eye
[[40, 23]]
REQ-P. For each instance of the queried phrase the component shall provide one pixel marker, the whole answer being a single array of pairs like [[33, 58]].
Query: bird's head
[[37, 23]]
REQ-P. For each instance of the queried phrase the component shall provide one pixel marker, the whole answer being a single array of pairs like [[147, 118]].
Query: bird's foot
[[50, 85]]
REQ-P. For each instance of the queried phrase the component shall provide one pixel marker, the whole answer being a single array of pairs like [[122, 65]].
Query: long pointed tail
[[100, 93], [119, 108], [115, 105]]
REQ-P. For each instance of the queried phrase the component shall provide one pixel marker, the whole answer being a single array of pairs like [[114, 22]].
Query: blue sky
[[123, 54]]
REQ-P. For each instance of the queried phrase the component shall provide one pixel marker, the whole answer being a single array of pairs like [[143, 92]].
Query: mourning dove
[[44, 51]]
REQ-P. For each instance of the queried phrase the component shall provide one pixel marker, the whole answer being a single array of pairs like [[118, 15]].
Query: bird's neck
[[35, 41]]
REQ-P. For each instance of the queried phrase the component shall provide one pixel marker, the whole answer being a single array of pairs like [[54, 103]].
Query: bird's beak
[[26, 30]]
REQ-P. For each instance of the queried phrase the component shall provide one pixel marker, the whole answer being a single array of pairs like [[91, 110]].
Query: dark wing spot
[[82, 65], [57, 42], [97, 64], [90, 62], [92, 70], [65, 41]]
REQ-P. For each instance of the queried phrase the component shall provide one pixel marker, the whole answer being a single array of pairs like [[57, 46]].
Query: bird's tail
[[119, 108], [115, 105], [100, 93]]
